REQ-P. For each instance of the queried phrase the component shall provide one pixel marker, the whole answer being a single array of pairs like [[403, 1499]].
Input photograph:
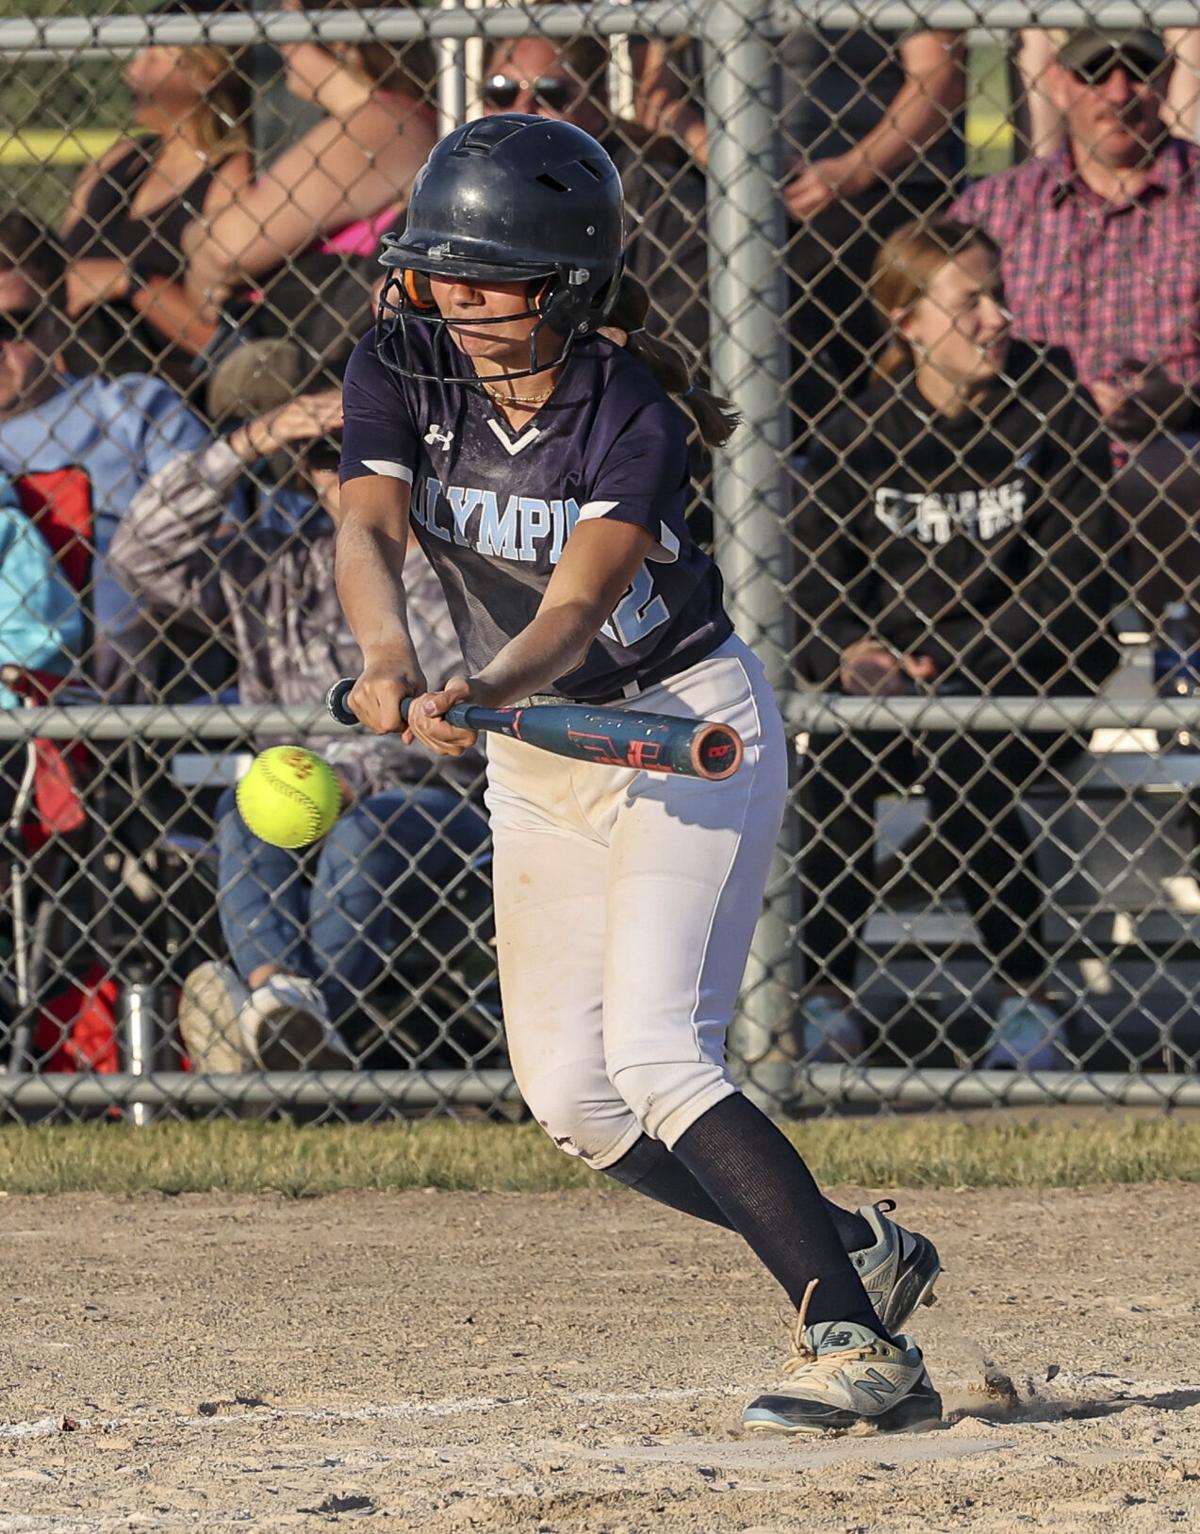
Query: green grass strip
[[231, 1157]]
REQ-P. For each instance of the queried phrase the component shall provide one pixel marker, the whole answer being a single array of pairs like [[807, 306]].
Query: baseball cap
[[255, 377], [1087, 45]]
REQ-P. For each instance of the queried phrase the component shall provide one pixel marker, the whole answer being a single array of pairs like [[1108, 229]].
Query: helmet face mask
[[407, 294], [507, 199]]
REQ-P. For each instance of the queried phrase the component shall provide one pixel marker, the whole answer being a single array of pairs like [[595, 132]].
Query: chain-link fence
[[944, 262]]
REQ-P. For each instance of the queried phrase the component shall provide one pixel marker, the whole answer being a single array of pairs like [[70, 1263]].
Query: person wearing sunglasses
[[1101, 256], [552, 94], [1037, 119], [664, 193]]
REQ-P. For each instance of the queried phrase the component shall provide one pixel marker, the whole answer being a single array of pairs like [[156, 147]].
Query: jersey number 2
[[638, 613]]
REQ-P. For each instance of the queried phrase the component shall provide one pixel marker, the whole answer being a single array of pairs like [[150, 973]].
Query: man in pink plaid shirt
[[1101, 245]]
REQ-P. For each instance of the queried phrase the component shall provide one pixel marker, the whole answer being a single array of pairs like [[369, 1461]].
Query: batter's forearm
[[369, 571], [552, 645]]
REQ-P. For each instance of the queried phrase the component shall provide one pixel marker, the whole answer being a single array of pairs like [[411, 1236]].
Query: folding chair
[[48, 813]]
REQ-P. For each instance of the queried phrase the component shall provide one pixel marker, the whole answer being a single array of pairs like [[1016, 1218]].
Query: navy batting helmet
[[509, 198]]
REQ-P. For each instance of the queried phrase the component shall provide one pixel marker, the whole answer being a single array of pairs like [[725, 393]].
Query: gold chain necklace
[[516, 399]]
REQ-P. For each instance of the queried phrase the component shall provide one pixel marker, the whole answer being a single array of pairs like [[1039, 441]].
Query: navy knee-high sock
[[757, 1179], [649, 1168]]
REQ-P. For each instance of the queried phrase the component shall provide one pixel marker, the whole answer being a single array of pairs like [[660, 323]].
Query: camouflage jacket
[[176, 551]]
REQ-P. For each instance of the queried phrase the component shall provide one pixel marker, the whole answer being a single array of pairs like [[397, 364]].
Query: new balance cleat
[[844, 1376], [899, 1271], [841, 1376]]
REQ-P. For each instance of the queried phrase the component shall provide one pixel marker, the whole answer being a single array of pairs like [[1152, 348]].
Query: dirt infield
[[572, 1362]]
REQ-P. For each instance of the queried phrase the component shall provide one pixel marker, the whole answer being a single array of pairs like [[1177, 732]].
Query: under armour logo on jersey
[[440, 436]]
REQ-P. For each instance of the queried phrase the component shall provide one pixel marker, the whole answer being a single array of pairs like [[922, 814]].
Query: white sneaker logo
[[439, 436]]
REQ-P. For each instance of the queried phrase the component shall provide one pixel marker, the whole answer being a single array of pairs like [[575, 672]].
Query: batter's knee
[[667, 1098], [597, 1127]]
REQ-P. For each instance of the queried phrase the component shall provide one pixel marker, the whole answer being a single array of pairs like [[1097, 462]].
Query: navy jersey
[[492, 506]]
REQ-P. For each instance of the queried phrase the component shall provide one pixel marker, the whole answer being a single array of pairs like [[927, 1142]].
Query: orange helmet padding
[[417, 289]]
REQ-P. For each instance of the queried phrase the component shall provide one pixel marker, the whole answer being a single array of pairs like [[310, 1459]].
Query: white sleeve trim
[[388, 468], [664, 552], [667, 550]]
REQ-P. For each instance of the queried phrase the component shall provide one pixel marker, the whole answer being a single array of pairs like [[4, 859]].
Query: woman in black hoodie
[[955, 539]]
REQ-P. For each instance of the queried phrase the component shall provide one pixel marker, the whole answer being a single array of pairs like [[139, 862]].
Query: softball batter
[[509, 408]]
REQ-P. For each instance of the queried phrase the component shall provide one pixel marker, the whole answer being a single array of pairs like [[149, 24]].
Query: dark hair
[[906, 262], [33, 250], [715, 418], [30, 248]]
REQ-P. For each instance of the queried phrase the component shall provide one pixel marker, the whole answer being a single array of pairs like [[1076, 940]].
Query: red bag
[[77, 1028]]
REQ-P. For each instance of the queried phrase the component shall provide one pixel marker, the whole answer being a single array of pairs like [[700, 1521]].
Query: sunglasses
[[15, 324], [1100, 70], [550, 91]]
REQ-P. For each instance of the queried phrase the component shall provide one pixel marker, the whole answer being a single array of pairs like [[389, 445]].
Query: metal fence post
[[746, 294]]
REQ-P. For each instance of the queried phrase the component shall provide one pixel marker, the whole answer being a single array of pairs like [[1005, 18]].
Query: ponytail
[[716, 419]]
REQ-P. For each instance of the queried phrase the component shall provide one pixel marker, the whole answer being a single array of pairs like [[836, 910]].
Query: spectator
[[124, 229], [311, 932], [1101, 242], [664, 196], [1041, 128], [323, 202], [872, 134], [119, 431], [955, 534]]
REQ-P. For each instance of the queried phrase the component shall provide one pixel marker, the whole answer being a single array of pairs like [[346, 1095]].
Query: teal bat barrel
[[615, 737]]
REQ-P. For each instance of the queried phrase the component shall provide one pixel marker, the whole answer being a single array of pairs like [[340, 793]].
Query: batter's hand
[[425, 722], [377, 695]]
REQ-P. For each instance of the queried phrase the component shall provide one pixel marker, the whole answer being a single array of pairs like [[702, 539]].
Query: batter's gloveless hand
[[425, 722], [377, 695]]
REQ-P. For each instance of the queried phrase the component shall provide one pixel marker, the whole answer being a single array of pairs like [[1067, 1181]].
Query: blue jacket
[[40, 621], [120, 431]]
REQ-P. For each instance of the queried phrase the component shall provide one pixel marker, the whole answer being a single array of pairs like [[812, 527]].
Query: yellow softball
[[290, 797]]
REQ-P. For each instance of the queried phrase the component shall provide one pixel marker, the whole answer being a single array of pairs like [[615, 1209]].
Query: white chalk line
[[43, 1427], [1067, 1387]]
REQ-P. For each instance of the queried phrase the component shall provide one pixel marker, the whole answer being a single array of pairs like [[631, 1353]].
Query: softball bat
[[694, 748]]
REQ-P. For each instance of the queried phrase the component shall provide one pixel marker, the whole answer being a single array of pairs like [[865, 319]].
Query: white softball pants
[[625, 905]]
